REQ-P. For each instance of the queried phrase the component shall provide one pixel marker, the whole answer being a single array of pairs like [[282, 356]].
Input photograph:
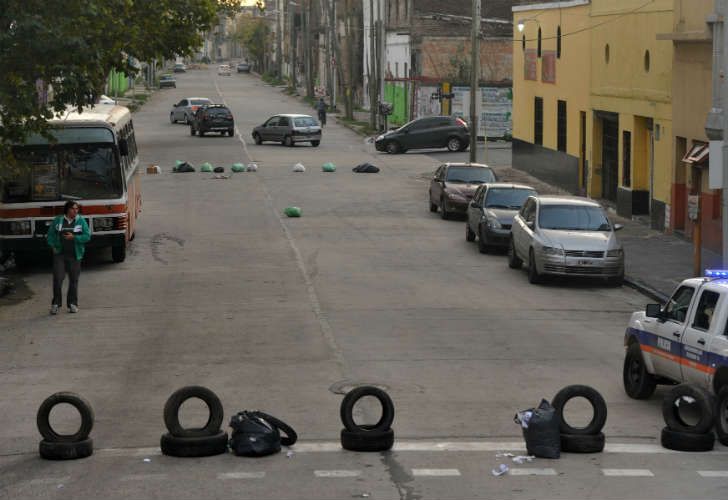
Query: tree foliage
[[254, 34]]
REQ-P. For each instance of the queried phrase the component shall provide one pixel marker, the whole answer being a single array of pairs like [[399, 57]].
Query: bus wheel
[[118, 253]]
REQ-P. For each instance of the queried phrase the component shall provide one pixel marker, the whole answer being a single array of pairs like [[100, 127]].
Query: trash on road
[[292, 211], [541, 430], [502, 454], [298, 167], [252, 167], [177, 163], [220, 176], [154, 169], [184, 167], [238, 167], [688, 399], [328, 167], [6, 286], [521, 459], [289, 454], [365, 168], [147, 460], [257, 434], [218, 170], [500, 470], [206, 167]]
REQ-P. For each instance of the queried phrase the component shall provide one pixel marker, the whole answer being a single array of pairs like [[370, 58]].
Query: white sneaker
[[54, 309], [73, 308]]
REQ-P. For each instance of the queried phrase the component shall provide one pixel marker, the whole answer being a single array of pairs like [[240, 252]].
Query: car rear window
[[305, 121], [573, 218], [509, 198], [470, 175], [200, 102], [219, 111]]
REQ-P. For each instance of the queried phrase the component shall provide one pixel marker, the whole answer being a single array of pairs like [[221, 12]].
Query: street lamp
[[522, 23]]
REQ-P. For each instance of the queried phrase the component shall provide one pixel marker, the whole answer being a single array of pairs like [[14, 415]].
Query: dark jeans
[[61, 266], [322, 118]]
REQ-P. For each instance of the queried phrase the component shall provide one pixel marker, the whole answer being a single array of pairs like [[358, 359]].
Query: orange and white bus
[[94, 160]]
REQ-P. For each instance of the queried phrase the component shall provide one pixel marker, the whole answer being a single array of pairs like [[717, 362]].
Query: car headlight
[[379, 138], [455, 196], [617, 252], [494, 224], [103, 224], [552, 250]]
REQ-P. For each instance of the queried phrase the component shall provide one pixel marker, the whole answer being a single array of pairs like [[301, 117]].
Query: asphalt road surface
[[284, 315]]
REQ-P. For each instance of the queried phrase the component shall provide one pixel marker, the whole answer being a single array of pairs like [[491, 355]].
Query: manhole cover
[[344, 386]]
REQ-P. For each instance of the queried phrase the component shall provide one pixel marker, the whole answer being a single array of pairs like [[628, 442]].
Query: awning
[[698, 154]]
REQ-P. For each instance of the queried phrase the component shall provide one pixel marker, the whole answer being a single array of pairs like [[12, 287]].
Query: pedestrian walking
[[67, 236], [321, 107]]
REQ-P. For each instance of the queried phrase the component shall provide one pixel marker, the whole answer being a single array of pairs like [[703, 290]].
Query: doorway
[[610, 158]]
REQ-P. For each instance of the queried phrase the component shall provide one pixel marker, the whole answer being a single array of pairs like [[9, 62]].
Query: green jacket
[[80, 238]]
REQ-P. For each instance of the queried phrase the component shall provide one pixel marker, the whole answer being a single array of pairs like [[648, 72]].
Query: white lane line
[[713, 473], [241, 475], [49, 480], [628, 472], [129, 452], [144, 477], [237, 130], [337, 473], [435, 472], [532, 472]]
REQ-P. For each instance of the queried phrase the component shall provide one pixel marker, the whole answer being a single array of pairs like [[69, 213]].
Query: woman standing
[[67, 236]]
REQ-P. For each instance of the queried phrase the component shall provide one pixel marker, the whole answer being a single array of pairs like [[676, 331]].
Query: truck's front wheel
[[638, 382], [118, 253]]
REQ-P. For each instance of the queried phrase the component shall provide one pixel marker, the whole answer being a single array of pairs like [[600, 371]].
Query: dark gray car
[[448, 132], [289, 129], [491, 212]]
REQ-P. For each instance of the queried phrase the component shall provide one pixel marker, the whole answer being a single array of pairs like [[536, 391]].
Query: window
[[606, 53], [523, 43], [538, 121], [558, 42], [396, 70], [273, 122], [705, 310], [478, 197], [678, 305], [538, 47], [561, 126], [284, 121], [530, 212], [626, 158], [647, 61]]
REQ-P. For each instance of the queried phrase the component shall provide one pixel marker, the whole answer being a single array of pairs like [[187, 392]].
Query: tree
[[74, 44], [254, 34]]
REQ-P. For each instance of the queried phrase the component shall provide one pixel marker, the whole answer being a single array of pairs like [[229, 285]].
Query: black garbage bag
[[218, 170], [365, 168], [185, 167], [257, 434], [541, 430]]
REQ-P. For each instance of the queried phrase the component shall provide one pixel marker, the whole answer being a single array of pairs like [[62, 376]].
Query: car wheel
[[483, 246], [444, 214], [638, 382], [454, 144], [533, 276], [192, 131], [469, 234], [615, 281], [288, 141], [231, 132], [118, 253], [513, 261], [171, 118], [392, 147], [433, 207], [201, 133], [721, 416], [257, 139], [187, 119], [315, 143]]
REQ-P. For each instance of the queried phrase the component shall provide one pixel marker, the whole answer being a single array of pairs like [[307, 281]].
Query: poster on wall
[[529, 64], [548, 66], [426, 105], [494, 110]]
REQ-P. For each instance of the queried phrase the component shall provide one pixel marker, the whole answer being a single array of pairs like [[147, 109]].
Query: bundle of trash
[[541, 430], [238, 167], [252, 167], [365, 168], [206, 167], [183, 166], [292, 211], [298, 167], [328, 167]]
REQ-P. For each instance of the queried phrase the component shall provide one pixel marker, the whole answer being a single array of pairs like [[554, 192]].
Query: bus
[[92, 158]]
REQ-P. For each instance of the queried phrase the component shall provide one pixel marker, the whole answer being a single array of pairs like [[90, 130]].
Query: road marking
[[237, 130], [241, 475], [337, 473], [532, 472], [129, 452], [628, 472], [435, 472], [49, 480], [713, 473], [144, 477]]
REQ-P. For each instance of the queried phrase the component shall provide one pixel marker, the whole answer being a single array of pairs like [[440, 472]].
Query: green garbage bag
[[206, 167], [292, 211], [238, 167], [177, 163], [328, 167]]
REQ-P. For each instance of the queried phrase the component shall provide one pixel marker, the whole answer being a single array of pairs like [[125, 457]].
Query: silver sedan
[[566, 236]]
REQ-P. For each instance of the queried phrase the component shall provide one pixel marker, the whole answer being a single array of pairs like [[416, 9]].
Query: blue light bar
[[716, 273]]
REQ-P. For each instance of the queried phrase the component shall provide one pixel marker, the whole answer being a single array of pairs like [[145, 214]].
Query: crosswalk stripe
[[337, 473], [49, 480], [144, 477], [532, 472], [628, 472], [435, 472], [713, 473], [241, 475]]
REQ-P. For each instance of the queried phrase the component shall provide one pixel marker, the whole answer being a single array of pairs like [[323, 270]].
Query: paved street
[[282, 315]]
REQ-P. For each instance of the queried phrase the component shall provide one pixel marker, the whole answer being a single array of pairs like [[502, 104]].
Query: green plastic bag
[[238, 167], [328, 167], [206, 167], [292, 211], [177, 163]]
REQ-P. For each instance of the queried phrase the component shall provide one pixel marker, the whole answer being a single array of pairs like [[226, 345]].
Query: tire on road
[[66, 451], [721, 416], [84, 409], [686, 441], [172, 406], [367, 441], [704, 402], [597, 402], [351, 398], [638, 382], [581, 443], [199, 446]]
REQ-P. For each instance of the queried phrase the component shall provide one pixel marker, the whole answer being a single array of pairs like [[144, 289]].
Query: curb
[[350, 127], [645, 289]]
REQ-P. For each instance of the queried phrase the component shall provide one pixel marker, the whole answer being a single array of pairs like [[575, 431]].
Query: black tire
[[171, 118], [483, 246], [392, 147], [721, 416], [288, 141], [315, 143], [290, 437], [703, 400], [469, 234], [616, 281], [201, 446], [599, 406], [84, 409], [513, 261], [581, 443], [192, 131], [347, 407], [66, 451], [454, 144], [433, 206], [367, 441], [257, 139], [201, 133], [171, 412], [684, 441], [231, 132], [444, 214], [187, 119], [638, 382], [118, 253], [533, 276]]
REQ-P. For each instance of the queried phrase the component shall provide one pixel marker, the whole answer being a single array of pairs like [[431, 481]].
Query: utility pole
[[474, 80], [279, 37], [292, 50], [371, 80], [307, 47], [381, 55], [716, 125]]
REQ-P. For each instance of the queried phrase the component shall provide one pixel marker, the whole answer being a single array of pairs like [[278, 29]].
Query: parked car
[[429, 132], [212, 118], [167, 81], [104, 99], [183, 110], [180, 68], [224, 70], [566, 236], [491, 213], [243, 67], [288, 129], [453, 185]]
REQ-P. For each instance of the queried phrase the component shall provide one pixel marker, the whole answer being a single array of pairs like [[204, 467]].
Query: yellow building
[[597, 117]]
